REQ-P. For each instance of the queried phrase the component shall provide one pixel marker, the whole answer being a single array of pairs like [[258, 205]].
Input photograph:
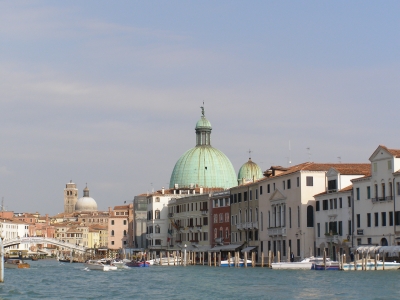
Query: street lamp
[[184, 255]]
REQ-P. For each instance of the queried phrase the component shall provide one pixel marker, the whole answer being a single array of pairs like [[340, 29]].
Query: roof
[[342, 168], [394, 152]]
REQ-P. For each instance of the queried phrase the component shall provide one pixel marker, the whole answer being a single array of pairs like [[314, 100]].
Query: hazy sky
[[109, 92]]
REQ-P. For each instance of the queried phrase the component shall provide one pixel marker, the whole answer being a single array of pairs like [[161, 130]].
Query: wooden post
[[219, 259], [253, 255], [343, 260], [215, 259], [160, 261], [278, 257], [288, 256], [355, 261], [262, 259], [269, 258], [229, 259], [383, 260], [375, 263], [245, 260]]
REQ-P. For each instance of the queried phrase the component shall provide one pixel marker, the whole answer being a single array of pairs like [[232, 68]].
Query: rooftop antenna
[[202, 109], [309, 154], [249, 154], [289, 154], [340, 159]]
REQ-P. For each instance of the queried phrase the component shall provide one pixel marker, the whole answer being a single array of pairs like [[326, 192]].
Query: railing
[[198, 227], [382, 199], [239, 226], [277, 231], [191, 228], [204, 212], [255, 225]]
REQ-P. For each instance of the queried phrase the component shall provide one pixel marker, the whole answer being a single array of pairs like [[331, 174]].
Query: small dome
[[248, 170], [203, 123]]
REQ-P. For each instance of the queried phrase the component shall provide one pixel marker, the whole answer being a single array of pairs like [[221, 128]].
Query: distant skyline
[[108, 92]]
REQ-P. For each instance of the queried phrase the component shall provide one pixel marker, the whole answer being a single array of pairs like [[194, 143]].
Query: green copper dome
[[248, 170], [203, 165]]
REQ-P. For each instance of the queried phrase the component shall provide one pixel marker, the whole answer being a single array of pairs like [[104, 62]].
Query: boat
[[15, 263], [370, 265], [224, 263], [97, 265], [330, 265], [138, 264], [305, 264], [164, 261]]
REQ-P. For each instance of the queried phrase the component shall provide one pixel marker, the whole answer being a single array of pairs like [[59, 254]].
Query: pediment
[[380, 153], [332, 172], [277, 195]]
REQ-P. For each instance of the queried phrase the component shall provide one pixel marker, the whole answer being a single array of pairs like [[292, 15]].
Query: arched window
[[226, 232], [157, 229], [112, 232], [310, 216], [215, 233], [157, 214], [221, 232]]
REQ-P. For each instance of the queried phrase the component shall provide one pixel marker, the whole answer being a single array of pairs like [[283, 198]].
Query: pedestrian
[[291, 257]]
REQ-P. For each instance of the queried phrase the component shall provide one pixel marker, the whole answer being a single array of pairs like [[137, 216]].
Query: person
[[291, 257], [351, 256]]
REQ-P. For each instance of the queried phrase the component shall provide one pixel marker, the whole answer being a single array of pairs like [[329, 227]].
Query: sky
[[108, 93]]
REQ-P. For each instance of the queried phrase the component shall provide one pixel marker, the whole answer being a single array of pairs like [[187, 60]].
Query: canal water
[[50, 279]]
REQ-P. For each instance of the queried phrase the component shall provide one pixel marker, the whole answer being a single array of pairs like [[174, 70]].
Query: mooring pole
[[1, 260]]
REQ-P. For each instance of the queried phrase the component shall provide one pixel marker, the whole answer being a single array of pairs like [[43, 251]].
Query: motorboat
[[370, 265], [224, 263], [329, 265], [138, 264], [118, 263], [164, 261], [98, 265], [305, 264], [14, 263]]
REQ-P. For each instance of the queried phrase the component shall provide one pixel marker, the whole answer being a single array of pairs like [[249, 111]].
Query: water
[[50, 279]]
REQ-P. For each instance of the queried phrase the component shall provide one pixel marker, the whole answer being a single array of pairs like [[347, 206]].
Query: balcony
[[198, 228], [334, 238], [219, 240], [191, 228], [204, 212], [255, 225], [381, 199], [240, 226], [277, 231]]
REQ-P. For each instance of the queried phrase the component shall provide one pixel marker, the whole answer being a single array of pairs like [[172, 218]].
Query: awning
[[231, 247], [247, 249], [202, 249]]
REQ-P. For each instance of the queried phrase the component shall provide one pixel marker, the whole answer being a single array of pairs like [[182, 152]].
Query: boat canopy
[[231, 247], [378, 249], [248, 249]]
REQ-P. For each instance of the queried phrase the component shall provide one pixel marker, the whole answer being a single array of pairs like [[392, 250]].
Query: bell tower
[[70, 197]]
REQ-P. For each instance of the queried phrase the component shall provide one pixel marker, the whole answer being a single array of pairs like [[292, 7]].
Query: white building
[[12, 229], [333, 211], [374, 200]]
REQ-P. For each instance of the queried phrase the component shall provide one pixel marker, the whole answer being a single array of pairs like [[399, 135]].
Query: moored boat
[[370, 265], [330, 265], [224, 263], [305, 264], [16, 264], [138, 264]]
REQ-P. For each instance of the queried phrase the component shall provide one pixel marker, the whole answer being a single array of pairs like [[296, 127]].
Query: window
[[318, 229], [330, 203], [261, 189], [256, 194], [245, 196], [215, 233], [349, 201], [398, 188], [358, 193], [289, 185], [283, 184], [375, 167], [358, 221], [227, 217], [368, 192], [221, 218], [298, 216], [215, 218], [112, 232], [298, 247], [317, 205], [124, 222], [112, 242], [309, 181], [205, 221], [389, 164], [269, 188], [112, 222], [326, 227], [251, 195], [368, 220], [325, 204], [290, 217], [383, 217], [332, 184], [262, 221], [273, 185], [376, 219], [340, 228], [125, 230], [239, 197], [358, 241], [390, 218], [310, 216], [298, 181], [335, 203], [349, 228]]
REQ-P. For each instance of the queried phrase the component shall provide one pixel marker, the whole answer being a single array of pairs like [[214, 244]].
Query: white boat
[[164, 261], [370, 265], [98, 265], [305, 264], [118, 264], [224, 263]]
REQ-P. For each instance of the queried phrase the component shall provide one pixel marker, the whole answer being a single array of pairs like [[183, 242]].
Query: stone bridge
[[42, 240]]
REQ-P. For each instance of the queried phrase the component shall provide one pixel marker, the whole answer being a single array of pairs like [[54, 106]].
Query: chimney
[[162, 191], [201, 190]]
